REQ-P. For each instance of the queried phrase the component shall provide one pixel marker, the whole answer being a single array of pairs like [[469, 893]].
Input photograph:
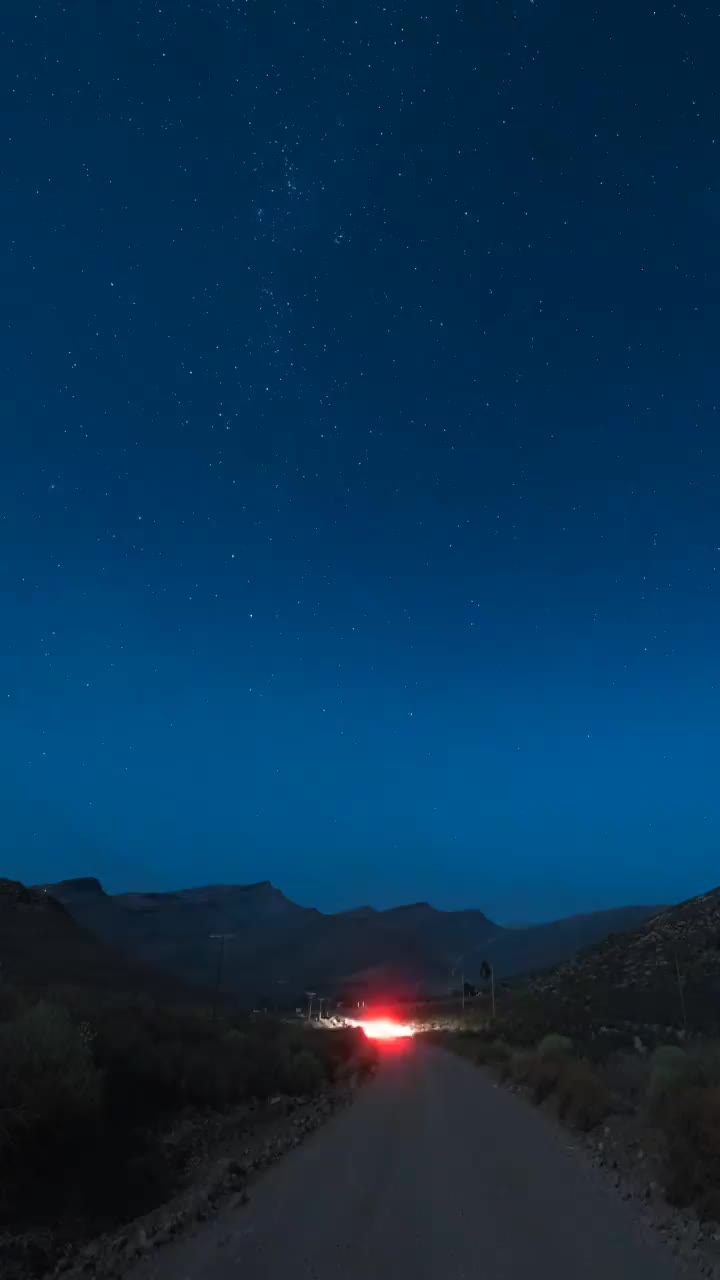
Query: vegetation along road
[[433, 1174]]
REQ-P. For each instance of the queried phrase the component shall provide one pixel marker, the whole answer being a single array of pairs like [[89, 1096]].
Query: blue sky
[[360, 480]]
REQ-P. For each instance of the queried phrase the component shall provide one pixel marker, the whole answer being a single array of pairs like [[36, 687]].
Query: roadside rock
[[214, 1182]]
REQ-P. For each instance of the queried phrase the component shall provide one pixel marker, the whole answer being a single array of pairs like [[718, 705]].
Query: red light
[[385, 1029]]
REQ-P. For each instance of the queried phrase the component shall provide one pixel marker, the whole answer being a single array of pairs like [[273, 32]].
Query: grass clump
[[684, 1095], [704, 1064], [554, 1045], [584, 1099], [690, 1120], [519, 1066], [670, 1069], [543, 1076], [50, 1086], [493, 1053]]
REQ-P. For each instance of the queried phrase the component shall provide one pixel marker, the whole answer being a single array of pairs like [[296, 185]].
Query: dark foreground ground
[[433, 1174]]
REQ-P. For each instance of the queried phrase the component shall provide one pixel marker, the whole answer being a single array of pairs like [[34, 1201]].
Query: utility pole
[[222, 938], [459, 967], [680, 982], [487, 970], [311, 996]]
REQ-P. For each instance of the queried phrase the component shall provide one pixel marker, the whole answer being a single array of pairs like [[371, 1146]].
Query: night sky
[[360, 483]]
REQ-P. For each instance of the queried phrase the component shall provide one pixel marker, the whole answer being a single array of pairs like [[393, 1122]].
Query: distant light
[[385, 1029]]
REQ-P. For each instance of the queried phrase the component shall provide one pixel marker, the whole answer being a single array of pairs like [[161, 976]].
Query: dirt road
[[432, 1174]]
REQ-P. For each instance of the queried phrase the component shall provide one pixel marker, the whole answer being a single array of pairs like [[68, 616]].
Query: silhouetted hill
[[544, 945], [666, 972], [42, 946], [276, 949]]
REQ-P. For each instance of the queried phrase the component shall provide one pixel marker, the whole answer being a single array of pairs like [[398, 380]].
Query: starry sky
[[360, 483]]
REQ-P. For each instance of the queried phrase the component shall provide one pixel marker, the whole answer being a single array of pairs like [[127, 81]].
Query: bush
[[505, 1068], [709, 1205], [528, 1069], [466, 1043], [542, 1076], [627, 1075], [704, 1065], [344, 1053], [668, 1069], [539, 1075], [690, 1120], [11, 1002], [493, 1053], [519, 1066], [555, 1046], [101, 1085], [584, 1099], [49, 1085], [159, 1060], [303, 1073], [50, 1109]]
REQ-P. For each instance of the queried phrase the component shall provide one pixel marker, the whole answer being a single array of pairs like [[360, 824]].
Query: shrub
[[669, 1068], [584, 1099], [11, 1003], [520, 1066], [555, 1046], [627, 1075], [100, 1086], [704, 1065], [709, 1205], [669, 1056], [159, 1060], [303, 1073], [493, 1053], [542, 1075], [505, 1068], [343, 1053], [49, 1084], [50, 1109], [366, 1061], [690, 1120], [467, 1044]]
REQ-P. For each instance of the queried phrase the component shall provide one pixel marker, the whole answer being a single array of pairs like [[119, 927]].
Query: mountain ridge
[[664, 973], [42, 945], [276, 949]]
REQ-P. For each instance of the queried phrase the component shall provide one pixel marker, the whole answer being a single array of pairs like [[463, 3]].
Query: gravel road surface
[[432, 1174]]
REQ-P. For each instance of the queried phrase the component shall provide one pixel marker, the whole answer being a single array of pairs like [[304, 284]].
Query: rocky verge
[[229, 1155], [630, 1159], [629, 1155]]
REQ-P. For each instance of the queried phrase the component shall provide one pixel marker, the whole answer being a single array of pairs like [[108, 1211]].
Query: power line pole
[[487, 970], [459, 967], [222, 938], [680, 982], [311, 996]]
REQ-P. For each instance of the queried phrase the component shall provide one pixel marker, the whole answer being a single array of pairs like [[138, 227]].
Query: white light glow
[[385, 1029]]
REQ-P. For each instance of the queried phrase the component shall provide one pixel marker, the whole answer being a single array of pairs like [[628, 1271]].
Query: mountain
[[664, 973], [275, 949], [173, 931], [541, 946], [41, 945]]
